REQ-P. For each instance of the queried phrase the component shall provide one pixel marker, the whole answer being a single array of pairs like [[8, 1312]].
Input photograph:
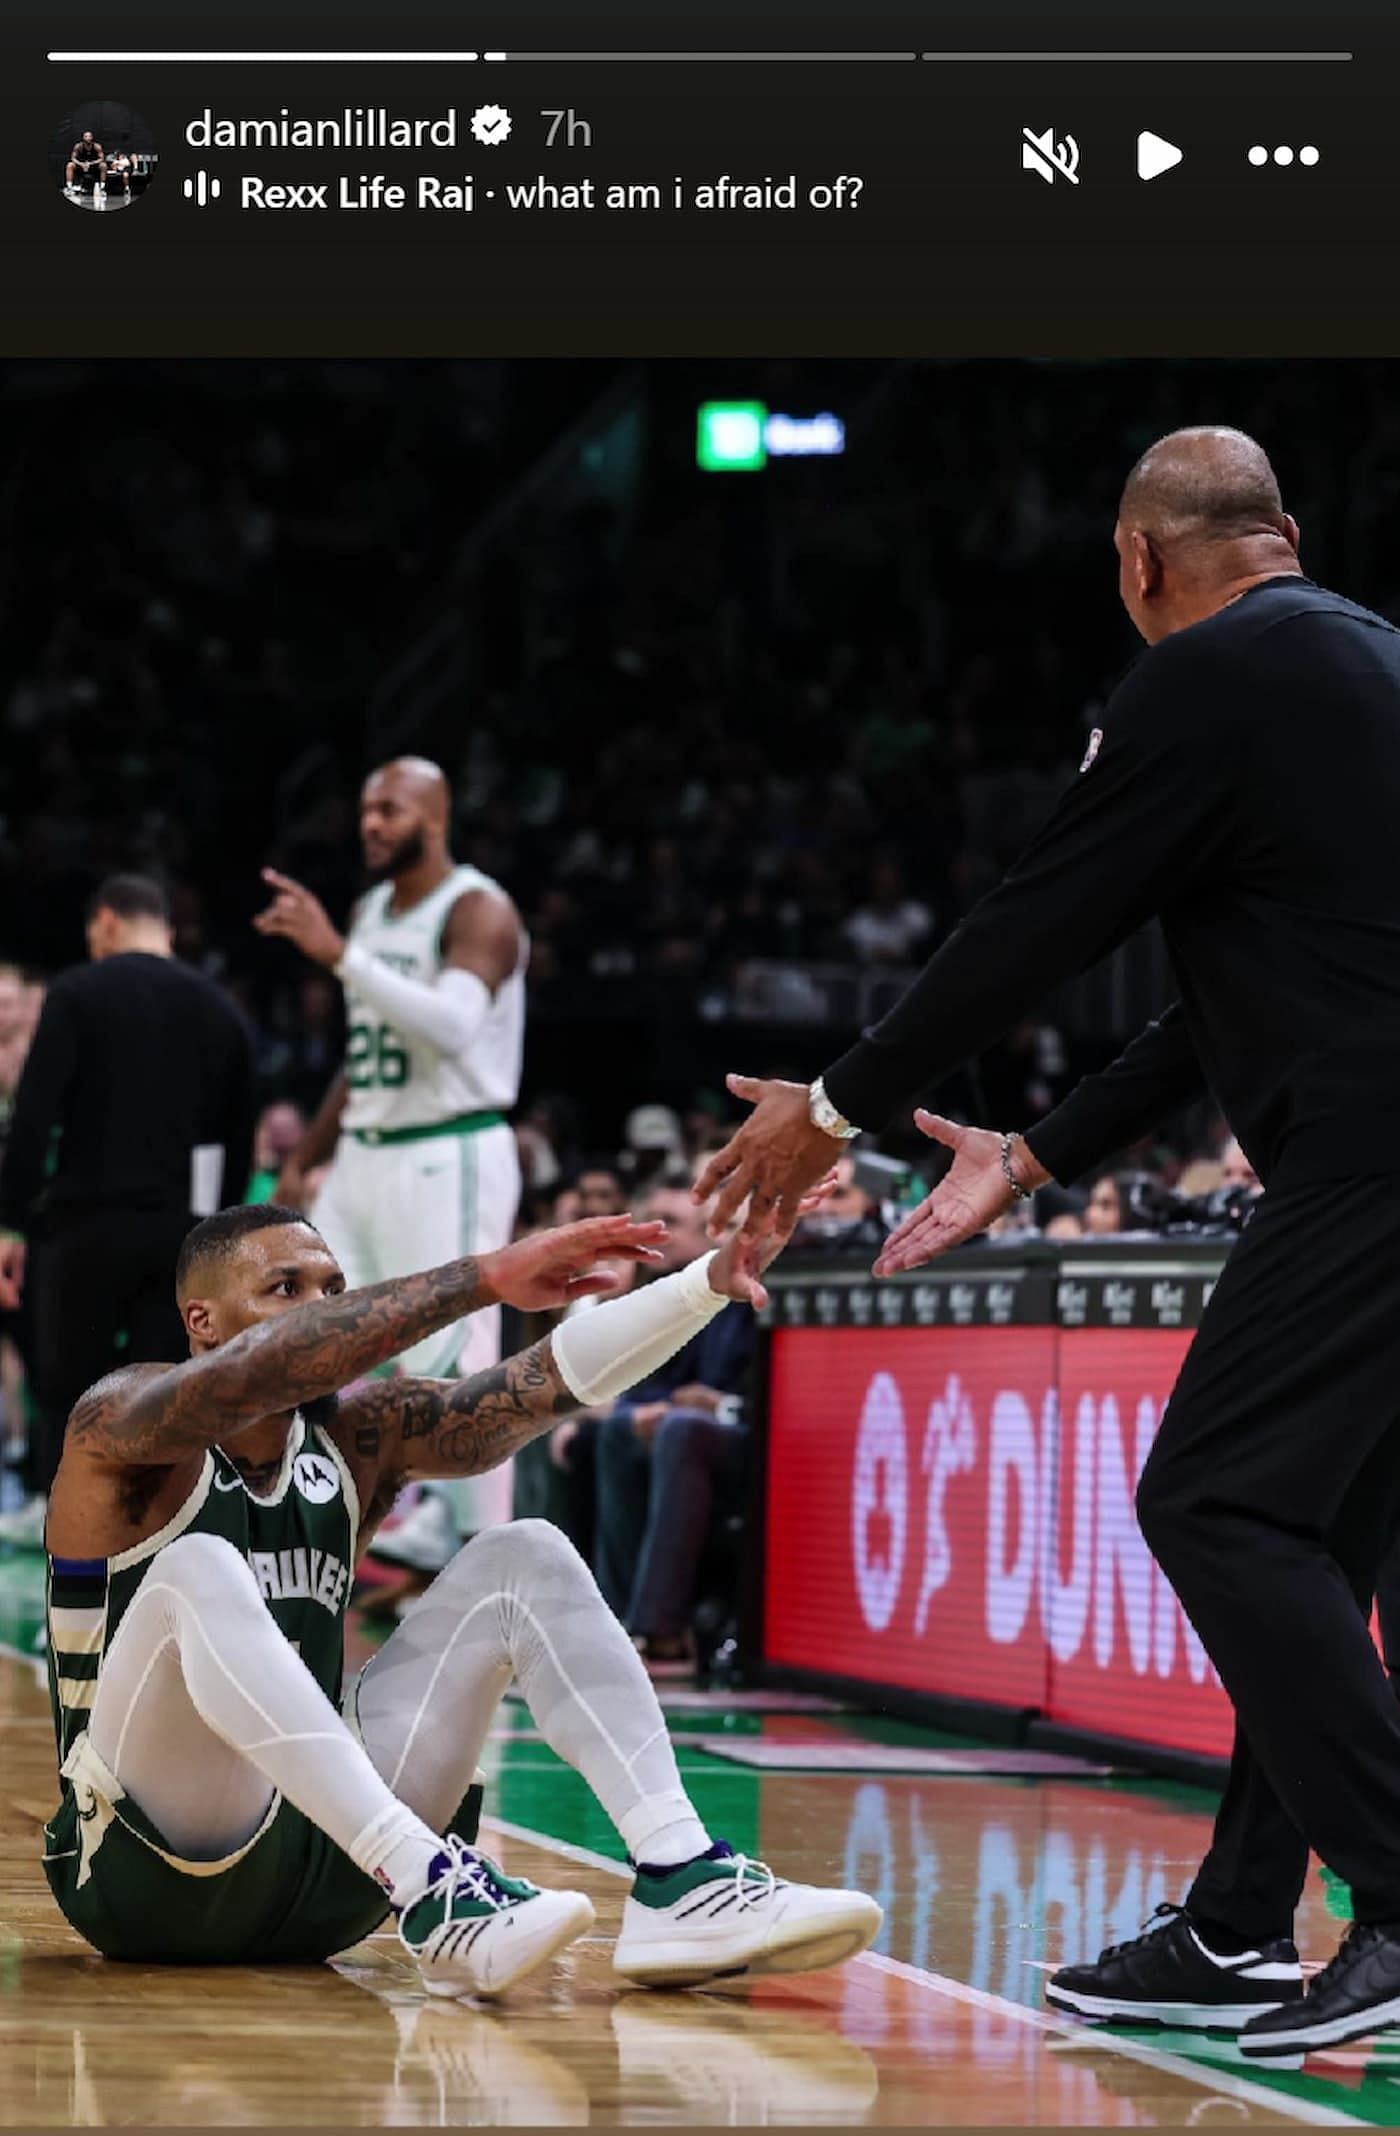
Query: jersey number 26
[[373, 1056]]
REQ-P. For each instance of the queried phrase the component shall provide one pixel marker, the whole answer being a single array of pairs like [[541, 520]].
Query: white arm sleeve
[[447, 1014], [623, 1340]]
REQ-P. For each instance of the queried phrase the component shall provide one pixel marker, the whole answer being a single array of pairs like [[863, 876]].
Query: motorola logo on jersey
[[316, 1478]]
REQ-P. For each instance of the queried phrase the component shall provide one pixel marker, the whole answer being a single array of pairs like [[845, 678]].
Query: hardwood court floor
[[985, 1882]]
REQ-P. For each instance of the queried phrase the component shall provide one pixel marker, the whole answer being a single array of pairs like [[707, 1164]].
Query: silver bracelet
[[1021, 1193]]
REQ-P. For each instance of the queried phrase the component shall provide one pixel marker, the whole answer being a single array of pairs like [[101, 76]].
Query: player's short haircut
[[131, 897], [219, 1235]]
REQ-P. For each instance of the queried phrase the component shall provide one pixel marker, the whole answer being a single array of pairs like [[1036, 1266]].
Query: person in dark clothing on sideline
[[664, 1459], [134, 1117], [1245, 788]]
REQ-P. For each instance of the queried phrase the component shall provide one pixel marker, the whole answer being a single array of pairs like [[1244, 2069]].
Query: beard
[[406, 854]]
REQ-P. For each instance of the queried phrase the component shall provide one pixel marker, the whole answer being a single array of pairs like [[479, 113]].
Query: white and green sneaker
[[724, 1915], [477, 1932]]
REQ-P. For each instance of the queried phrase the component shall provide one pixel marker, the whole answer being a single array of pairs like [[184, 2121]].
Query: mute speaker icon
[[1048, 158]]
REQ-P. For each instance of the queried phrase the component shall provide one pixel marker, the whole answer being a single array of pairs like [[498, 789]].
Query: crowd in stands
[[804, 717]]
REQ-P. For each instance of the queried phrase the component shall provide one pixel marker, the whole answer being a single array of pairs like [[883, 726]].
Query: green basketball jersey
[[395, 1080], [299, 1539], [287, 1894]]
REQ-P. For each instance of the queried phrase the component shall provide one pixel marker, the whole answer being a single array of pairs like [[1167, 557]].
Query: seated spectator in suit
[[668, 1457]]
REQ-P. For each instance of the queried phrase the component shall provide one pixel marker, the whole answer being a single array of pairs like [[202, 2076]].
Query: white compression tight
[[519, 1602], [203, 1709]]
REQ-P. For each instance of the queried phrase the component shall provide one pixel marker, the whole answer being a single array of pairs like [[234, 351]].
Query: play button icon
[[1156, 155]]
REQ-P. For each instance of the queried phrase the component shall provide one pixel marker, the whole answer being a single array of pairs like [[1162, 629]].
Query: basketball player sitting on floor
[[202, 1536]]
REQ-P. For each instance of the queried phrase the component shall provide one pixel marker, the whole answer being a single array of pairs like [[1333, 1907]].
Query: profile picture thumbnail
[[102, 157]]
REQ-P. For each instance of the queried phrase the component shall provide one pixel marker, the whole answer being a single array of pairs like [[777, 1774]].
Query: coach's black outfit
[[136, 1062], [1245, 787]]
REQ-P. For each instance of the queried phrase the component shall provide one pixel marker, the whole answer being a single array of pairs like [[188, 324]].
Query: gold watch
[[825, 1116]]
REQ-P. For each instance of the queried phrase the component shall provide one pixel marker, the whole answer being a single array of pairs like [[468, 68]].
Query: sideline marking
[[1223, 2082]]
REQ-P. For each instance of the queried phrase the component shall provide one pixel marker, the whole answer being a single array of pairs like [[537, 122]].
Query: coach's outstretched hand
[[552, 1268], [972, 1194], [768, 1163], [736, 1268]]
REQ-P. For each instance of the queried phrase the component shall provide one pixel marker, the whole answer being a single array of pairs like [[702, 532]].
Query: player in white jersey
[[425, 1167]]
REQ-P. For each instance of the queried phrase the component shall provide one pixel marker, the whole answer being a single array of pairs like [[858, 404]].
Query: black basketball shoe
[[1168, 1976], [1359, 1992]]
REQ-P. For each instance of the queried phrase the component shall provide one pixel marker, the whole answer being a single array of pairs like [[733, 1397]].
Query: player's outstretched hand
[[736, 1268], [552, 1268], [972, 1194]]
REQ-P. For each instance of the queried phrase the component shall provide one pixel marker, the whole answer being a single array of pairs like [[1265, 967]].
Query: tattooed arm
[[399, 1429], [157, 1414], [161, 1414], [396, 1430]]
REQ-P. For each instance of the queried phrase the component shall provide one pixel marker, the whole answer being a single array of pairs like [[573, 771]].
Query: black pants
[[1388, 1604], [104, 1296], [564, 1495], [655, 1505], [1268, 1499]]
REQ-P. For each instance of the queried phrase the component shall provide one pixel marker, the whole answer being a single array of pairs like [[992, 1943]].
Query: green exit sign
[[730, 436]]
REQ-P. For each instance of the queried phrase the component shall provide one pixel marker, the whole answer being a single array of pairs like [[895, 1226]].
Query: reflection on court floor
[[986, 1882]]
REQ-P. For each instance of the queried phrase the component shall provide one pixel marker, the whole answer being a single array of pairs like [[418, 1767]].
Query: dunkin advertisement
[[950, 1509]]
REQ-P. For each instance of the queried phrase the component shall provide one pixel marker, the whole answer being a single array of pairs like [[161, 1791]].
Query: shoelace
[[1156, 1921], [471, 1874], [754, 1882]]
